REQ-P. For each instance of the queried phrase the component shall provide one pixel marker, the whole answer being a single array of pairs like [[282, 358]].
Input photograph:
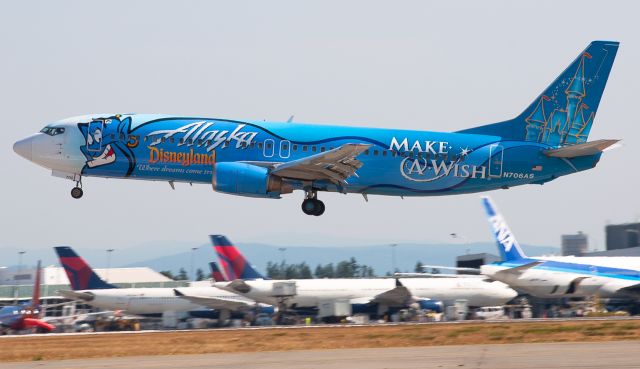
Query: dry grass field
[[52, 347]]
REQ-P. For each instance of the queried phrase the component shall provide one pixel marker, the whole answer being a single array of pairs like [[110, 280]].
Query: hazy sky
[[438, 66]]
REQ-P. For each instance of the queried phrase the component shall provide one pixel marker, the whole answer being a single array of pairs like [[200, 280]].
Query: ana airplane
[[90, 288], [563, 276], [371, 295], [26, 316], [268, 159]]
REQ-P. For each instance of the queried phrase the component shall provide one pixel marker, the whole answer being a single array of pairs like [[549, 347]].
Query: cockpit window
[[52, 131]]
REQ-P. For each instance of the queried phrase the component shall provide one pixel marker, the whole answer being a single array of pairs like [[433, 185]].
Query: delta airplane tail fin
[[233, 262], [216, 273], [509, 248], [564, 112], [80, 274]]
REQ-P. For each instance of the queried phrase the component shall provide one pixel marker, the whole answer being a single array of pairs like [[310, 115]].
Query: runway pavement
[[611, 355]]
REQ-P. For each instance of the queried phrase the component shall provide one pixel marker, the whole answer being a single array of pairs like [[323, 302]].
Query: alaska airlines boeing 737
[[563, 276], [269, 159]]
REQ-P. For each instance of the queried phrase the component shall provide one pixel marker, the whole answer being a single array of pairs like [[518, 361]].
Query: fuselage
[[398, 162], [571, 276], [150, 301], [311, 292]]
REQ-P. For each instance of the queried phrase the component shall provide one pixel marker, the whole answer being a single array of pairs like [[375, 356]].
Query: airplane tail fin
[[507, 245], [80, 274], [232, 261], [216, 273], [564, 112]]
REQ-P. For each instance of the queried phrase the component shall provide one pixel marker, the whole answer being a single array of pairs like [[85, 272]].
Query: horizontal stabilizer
[[583, 149], [522, 268]]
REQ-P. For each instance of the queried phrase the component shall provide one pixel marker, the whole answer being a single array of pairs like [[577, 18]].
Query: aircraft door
[[94, 136], [269, 148], [285, 149], [496, 157]]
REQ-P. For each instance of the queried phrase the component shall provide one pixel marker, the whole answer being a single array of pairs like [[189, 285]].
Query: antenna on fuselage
[[290, 119]]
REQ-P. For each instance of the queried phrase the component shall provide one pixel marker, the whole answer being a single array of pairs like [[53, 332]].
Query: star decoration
[[465, 151]]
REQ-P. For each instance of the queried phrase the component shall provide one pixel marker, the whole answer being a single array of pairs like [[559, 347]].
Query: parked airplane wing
[[334, 165], [522, 268], [400, 295], [214, 302]]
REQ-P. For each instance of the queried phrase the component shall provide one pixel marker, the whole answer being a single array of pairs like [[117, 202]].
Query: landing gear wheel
[[309, 206], [319, 208], [76, 192], [313, 207]]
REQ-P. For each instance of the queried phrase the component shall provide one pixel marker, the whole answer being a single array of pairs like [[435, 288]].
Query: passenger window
[[144, 139], [295, 147], [375, 152], [164, 139], [122, 136], [313, 148], [181, 141], [269, 145], [304, 148], [384, 152], [322, 149], [252, 145], [260, 145], [171, 139], [366, 152], [285, 147], [226, 144], [190, 141], [200, 142]]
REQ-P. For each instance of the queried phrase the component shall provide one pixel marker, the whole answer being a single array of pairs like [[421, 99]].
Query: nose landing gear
[[311, 205], [77, 192]]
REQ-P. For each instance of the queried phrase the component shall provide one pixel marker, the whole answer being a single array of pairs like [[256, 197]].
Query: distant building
[[575, 244], [474, 261], [622, 236]]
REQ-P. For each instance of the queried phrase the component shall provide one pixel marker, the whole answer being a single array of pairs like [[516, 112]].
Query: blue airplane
[[269, 159]]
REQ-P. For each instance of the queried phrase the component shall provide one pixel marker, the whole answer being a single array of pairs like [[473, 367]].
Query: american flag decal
[[537, 168]]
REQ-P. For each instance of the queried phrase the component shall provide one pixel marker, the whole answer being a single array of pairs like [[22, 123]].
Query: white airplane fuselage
[[311, 292]]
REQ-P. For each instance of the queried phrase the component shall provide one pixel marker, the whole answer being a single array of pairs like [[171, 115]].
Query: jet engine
[[247, 180]]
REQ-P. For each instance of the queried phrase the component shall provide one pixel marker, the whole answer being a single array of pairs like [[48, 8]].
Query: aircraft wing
[[334, 165], [400, 295], [217, 303], [522, 268]]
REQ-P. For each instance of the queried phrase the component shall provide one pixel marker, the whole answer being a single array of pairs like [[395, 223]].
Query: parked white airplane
[[371, 295], [563, 276], [88, 287]]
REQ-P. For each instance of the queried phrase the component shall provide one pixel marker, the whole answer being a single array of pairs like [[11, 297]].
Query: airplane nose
[[23, 148]]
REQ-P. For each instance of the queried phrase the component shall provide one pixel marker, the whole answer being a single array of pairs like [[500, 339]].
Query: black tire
[[319, 208], [76, 192], [309, 206]]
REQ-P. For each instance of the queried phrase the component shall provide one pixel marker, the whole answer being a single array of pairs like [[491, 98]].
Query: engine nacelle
[[433, 305], [247, 180]]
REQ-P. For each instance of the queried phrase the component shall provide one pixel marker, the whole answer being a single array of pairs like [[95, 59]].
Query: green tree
[[182, 275], [199, 275], [418, 268]]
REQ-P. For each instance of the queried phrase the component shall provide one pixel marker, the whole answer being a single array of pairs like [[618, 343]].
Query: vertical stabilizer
[[564, 112], [80, 274], [507, 244], [232, 261], [216, 273]]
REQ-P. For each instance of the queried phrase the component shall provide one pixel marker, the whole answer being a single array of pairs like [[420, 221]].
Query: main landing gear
[[76, 192], [311, 205]]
